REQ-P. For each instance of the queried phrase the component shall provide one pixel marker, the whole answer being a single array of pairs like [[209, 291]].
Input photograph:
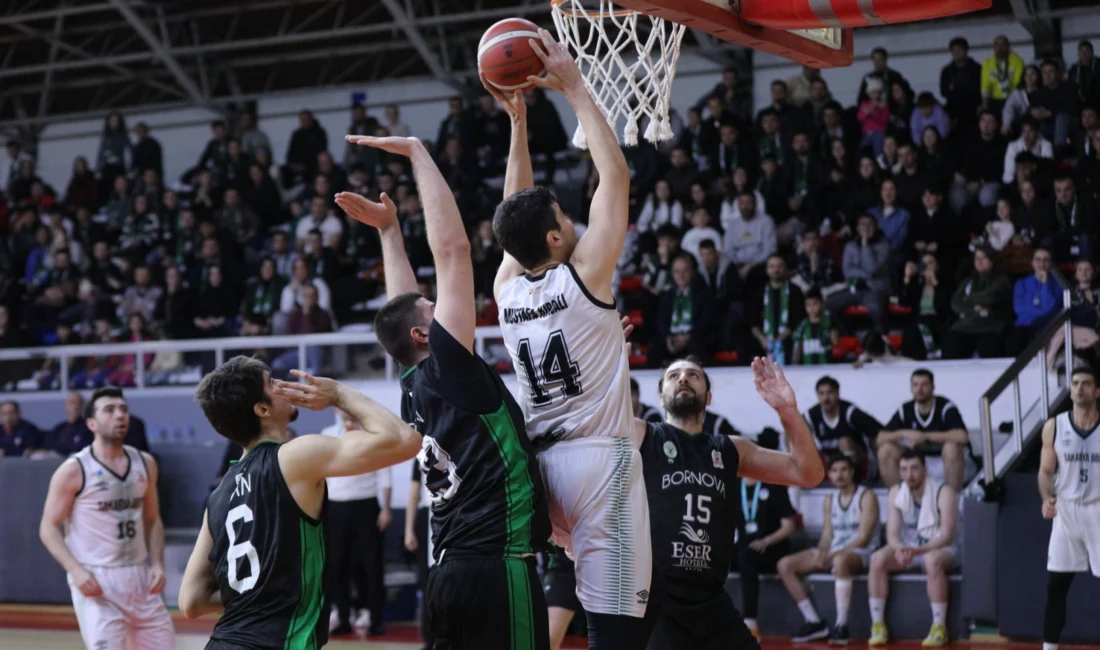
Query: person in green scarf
[[983, 303], [685, 315], [780, 306], [815, 336]]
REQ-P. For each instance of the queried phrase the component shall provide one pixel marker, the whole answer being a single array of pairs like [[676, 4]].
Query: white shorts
[[864, 555], [600, 516], [1075, 538], [127, 616]]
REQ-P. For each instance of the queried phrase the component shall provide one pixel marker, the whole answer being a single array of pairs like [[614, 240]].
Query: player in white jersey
[[1069, 482], [560, 326], [851, 534], [106, 497]]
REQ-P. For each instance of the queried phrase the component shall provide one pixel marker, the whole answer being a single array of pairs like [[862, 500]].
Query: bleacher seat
[[630, 284], [725, 356], [638, 356], [636, 317]]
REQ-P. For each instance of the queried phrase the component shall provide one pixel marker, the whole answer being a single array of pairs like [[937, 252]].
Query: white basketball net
[[628, 72]]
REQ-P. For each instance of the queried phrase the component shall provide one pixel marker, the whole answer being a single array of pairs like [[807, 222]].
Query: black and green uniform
[[269, 559], [816, 339], [489, 514]]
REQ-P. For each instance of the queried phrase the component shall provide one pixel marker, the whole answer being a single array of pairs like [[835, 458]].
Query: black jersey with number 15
[[268, 557], [691, 482]]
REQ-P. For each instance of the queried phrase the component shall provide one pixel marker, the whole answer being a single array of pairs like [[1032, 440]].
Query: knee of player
[[785, 566], [840, 566], [933, 564], [878, 559]]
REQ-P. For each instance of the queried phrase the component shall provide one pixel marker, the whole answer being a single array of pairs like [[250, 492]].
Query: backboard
[[819, 48]]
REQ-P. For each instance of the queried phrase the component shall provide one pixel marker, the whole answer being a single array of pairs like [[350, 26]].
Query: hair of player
[[841, 458], [103, 391], [910, 454], [1085, 370], [229, 394], [693, 360], [521, 223], [392, 325], [923, 372], [634, 387], [827, 380]]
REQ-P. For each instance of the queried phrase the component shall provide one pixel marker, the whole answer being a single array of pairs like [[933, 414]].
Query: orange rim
[[566, 11]]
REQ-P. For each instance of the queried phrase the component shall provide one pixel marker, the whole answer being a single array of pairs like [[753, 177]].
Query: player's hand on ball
[[393, 144], [511, 101], [380, 215], [87, 584], [156, 580], [772, 385], [1050, 508], [562, 73], [316, 394]]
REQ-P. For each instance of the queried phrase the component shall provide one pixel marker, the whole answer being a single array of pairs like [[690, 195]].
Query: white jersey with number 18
[[570, 357]]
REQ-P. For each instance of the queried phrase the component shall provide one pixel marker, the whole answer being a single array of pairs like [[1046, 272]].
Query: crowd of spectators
[[883, 226]]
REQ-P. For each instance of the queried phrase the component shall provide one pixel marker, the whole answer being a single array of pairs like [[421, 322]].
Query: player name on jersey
[[513, 315], [690, 478], [1081, 457], [118, 505]]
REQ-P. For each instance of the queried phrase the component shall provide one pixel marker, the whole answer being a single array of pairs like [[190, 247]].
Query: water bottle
[[775, 351]]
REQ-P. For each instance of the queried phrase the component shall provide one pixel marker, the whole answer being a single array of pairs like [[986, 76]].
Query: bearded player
[[106, 496], [567, 345]]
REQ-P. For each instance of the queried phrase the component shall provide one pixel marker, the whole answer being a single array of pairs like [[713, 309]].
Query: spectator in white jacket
[[1030, 141], [700, 231], [731, 207], [750, 240], [660, 209]]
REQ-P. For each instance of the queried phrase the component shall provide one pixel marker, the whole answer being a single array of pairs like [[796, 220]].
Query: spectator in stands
[[336, 175], [141, 297], [1084, 316], [892, 219], [874, 116], [1018, 105], [731, 151], [771, 141], [928, 112], [749, 241], [361, 124], [83, 189], [867, 266], [394, 125], [803, 177], [920, 532], [216, 307], [71, 434], [660, 208], [698, 138], [1001, 73], [114, 147], [215, 157], [983, 305], [814, 338], [176, 307], [1054, 105], [1036, 299], [814, 268], [1085, 74], [320, 218], [308, 317], [799, 85], [849, 537], [97, 368], [545, 133], [911, 179], [641, 410], [135, 332], [929, 297], [18, 437], [1076, 224], [700, 230], [263, 293], [961, 84], [251, 137], [238, 219], [682, 174], [308, 140], [934, 229], [883, 73], [685, 316], [763, 537], [778, 309], [1030, 141], [730, 209], [902, 107], [930, 424], [300, 277], [820, 99], [734, 101]]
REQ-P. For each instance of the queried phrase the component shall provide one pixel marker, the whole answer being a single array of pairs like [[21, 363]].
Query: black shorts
[[559, 580], [476, 602], [716, 625]]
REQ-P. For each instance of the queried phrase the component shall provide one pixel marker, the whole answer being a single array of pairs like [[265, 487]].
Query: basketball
[[505, 56]]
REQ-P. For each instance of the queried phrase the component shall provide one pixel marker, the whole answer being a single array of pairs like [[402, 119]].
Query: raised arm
[[1048, 466], [66, 483], [454, 308], [801, 466], [519, 174], [597, 253], [199, 593], [154, 526], [384, 440], [400, 278]]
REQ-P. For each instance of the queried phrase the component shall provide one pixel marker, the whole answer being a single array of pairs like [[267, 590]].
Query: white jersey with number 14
[[570, 357]]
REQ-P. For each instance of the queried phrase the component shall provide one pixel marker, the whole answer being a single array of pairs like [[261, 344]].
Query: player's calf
[[791, 568]]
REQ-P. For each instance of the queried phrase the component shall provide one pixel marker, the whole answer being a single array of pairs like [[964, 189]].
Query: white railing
[[66, 354]]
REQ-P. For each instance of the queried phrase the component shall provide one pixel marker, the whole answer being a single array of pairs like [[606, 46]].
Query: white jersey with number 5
[[1078, 477], [570, 357], [106, 527]]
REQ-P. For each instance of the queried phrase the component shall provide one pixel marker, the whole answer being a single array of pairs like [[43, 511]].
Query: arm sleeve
[[952, 419], [895, 422], [783, 507], [866, 424], [462, 376]]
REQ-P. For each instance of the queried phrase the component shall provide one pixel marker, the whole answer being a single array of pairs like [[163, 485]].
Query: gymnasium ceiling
[[79, 58]]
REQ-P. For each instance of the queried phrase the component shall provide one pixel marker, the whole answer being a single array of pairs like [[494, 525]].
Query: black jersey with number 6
[[691, 482], [268, 557]]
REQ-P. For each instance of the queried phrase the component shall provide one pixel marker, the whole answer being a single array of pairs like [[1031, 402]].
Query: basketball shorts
[[600, 516], [126, 616], [864, 555], [560, 584], [476, 602], [1075, 538], [716, 625]]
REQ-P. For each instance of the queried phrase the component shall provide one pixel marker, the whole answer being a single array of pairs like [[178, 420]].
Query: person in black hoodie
[[961, 85], [307, 141], [981, 165], [685, 316]]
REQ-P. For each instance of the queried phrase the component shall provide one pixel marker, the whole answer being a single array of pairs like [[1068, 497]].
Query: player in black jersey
[[260, 555], [691, 482], [489, 515]]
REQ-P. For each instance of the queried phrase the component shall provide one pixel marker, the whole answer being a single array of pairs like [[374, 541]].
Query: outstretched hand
[[511, 101], [316, 394], [562, 73], [772, 385], [392, 144], [380, 215]]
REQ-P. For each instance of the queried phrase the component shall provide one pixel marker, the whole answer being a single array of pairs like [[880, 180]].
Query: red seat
[[636, 318], [630, 284], [895, 340], [1068, 268], [856, 311], [845, 346], [899, 310], [725, 356], [504, 365], [638, 356]]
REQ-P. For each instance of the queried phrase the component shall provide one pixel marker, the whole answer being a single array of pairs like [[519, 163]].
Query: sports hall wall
[[917, 52]]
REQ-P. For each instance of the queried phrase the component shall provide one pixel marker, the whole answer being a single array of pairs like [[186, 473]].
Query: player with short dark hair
[[488, 514], [260, 555], [1069, 471], [839, 425], [106, 496]]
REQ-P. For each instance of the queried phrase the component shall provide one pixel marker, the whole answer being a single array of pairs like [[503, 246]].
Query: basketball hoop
[[628, 61]]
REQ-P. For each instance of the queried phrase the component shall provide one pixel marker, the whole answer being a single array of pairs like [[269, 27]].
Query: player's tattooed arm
[[66, 483], [199, 593], [1048, 466]]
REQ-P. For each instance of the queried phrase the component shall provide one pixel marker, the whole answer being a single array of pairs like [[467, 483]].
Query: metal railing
[[67, 354], [996, 463]]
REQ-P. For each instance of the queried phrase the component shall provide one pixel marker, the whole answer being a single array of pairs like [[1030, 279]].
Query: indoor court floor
[[40, 627]]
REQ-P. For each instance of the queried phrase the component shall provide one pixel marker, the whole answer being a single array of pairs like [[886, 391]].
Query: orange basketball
[[505, 56]]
